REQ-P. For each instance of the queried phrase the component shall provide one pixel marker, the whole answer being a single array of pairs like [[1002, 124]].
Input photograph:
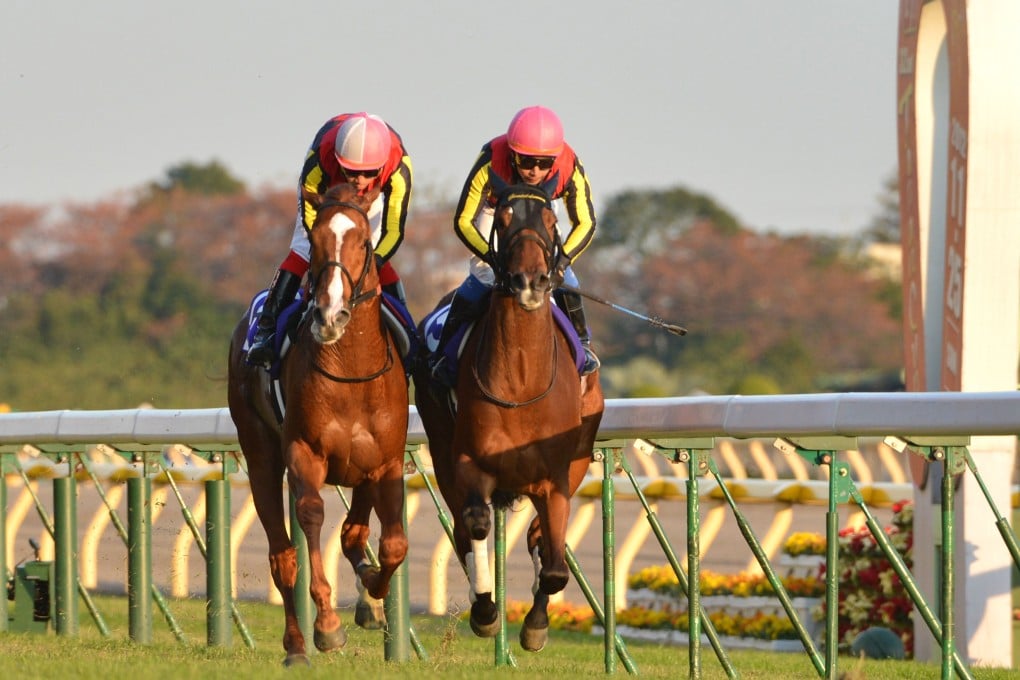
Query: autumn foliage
[[132, 299]]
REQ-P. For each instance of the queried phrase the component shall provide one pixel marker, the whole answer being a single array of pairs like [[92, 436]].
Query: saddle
[[448, 356], [395, 315]]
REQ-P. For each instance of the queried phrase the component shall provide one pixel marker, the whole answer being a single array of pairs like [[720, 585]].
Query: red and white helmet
[[363, 142], [535, 131]]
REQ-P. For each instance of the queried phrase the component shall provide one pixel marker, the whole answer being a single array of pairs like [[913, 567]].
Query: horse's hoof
[[534, 639], [485, 630], [485, 621], [328, 641], [370, 615], [296, 660]]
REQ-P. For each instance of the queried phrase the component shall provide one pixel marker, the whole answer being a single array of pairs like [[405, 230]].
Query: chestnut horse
[[525, 422], [345, 421]]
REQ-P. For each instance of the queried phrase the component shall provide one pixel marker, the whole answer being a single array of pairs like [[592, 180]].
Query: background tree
[[125, 301], [643, 221], [885, 226], [208, 179]]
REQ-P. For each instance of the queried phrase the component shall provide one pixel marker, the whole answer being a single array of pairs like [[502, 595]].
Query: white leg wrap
[[478, 568]]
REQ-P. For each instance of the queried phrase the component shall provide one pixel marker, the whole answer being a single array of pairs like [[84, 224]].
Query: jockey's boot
[[462, 310], [282, 290], [574, 308]]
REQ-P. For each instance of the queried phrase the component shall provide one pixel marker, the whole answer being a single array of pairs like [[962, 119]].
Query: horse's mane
[[342, 192]]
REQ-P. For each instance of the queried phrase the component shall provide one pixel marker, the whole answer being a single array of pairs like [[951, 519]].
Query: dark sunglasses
[[529, 162], [360, 173]]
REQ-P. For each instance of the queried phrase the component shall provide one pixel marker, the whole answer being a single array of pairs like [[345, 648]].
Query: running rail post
[[696, 467], [952, 465], [499, 539], [419, 649], [763, 560], [679, 451], [822, 451], [48, 523], [608, 556], [907, 579], [303, 607], [446, 522], [953, 454], [140, 552], [189, 519], [219, 631], [65, 539], [397, 634]]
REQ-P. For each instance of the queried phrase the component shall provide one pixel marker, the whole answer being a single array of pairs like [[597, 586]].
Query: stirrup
[[591, 362], [261, 351]]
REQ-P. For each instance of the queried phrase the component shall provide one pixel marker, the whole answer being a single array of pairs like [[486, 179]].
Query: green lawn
[[453, 652]]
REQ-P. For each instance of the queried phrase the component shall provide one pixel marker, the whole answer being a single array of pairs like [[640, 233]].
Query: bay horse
[[525, 421], [345, 422]]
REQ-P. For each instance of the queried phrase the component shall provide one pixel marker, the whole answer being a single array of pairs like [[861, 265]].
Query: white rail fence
[[742, 426]]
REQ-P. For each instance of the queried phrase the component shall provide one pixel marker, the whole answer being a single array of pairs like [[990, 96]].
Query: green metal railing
[[949, 455]]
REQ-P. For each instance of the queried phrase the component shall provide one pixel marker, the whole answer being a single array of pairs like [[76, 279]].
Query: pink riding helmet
[[535, 131], [362, 142]]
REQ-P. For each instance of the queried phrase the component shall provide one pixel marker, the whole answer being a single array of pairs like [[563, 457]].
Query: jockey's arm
[[472, 202], [396, 197], [580, 211]]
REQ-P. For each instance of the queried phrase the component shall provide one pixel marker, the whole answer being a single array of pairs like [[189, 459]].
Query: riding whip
[[653, 320]]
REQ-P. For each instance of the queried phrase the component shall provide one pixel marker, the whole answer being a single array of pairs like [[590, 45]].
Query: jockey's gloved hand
[[559, 270], [379, 262]]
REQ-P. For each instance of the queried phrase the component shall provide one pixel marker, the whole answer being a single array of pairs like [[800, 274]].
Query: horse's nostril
[[317, 316]]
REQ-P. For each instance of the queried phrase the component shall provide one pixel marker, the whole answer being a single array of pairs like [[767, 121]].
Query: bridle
[[358, 294], [518, 230]]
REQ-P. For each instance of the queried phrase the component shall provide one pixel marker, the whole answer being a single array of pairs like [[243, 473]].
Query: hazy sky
[[784, 112]]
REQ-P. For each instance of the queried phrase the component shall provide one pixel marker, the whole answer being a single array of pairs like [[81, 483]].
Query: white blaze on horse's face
[[331, 308]]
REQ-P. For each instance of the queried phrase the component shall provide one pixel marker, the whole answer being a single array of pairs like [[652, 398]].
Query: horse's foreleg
[[283, 568], [266, 480], [389, 508], [329, 634], [547, 547], [553, 513], [368, 613], [476, 518]]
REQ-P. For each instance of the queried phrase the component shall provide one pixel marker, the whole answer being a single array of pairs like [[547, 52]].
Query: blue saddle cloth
[[398, 320], [450, 354]]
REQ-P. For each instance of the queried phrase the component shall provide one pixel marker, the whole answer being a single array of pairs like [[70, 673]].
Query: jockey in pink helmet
[[533, 152], [354, 148]]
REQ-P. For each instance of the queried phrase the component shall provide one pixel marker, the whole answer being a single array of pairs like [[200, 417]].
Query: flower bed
[[743, 608], [870, 592], [740, 606]]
